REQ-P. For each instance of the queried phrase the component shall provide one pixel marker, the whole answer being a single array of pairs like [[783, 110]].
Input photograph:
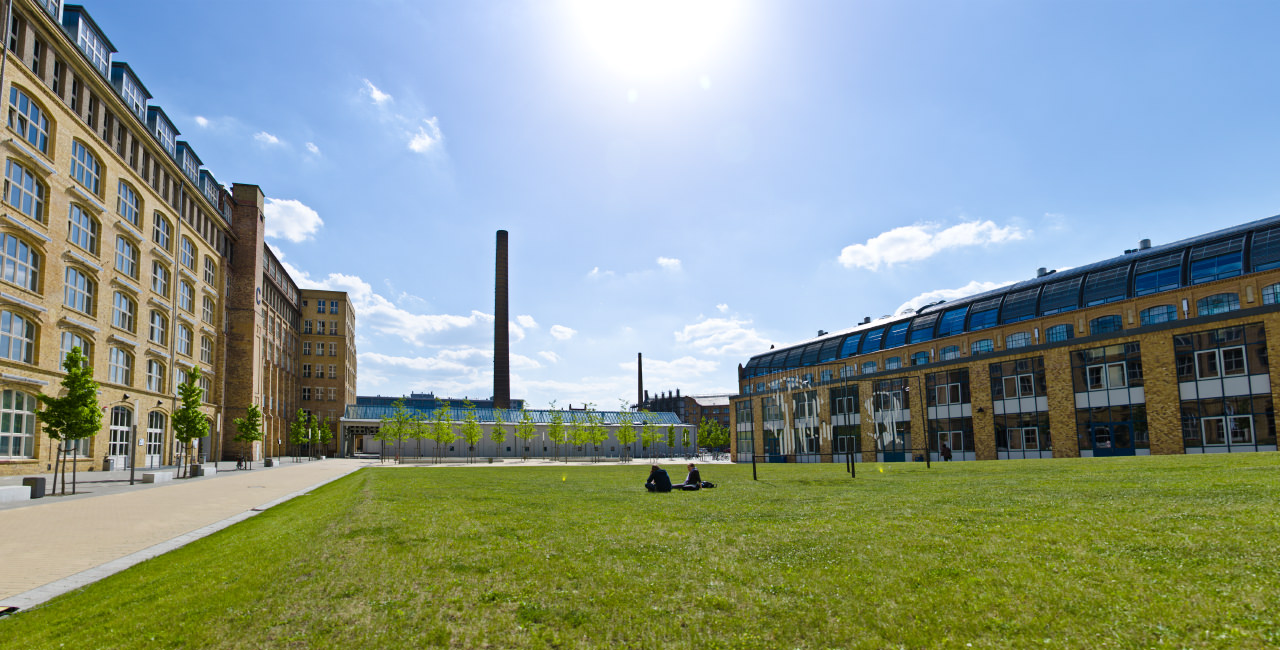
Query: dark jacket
[[694, 479], [658, 481]]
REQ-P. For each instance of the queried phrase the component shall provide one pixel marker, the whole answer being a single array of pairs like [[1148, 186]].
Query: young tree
[[648, 431], [626, 431], [671, 438], [498, 434], [249, 429], [526, 430], [397, 426], [324, 433], [684, 437], [596, 433], [472, 432], [299, 432], [442, 430], [189, 423], [74, 416], [579, 436], [555, 431]]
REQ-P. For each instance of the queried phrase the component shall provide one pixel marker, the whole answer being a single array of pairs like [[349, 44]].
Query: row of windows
[[333, 371], [818, 352], [319, 328], [320, 306], [18, 334], [319, 394], [333, 348]]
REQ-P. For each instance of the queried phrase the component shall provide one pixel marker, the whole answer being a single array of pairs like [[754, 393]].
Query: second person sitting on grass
[[691, 482]]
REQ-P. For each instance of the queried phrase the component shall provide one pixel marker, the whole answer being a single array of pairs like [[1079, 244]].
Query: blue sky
[[699, 181]]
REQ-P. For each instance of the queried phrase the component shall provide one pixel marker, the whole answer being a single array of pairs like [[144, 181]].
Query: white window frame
[[1106, 375], [19, 263]]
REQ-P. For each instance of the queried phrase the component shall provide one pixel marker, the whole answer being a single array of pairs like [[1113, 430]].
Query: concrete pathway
[[58, 544]]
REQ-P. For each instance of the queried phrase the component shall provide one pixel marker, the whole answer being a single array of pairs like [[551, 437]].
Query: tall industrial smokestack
[[639, 380], [501, 336]]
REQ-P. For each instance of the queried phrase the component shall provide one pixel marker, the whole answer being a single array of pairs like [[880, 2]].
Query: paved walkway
[[57, 544]]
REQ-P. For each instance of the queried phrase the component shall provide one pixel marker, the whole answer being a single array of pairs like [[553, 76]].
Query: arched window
[[184, 339], [1158, 314], [206, 349], [28, 119], [1218, 304], [893, 363], [206, 313], [186, 296], [1059, 333], [1017, 340], [82, 229], [17, 337], [78, 291], [85, 168], [917, 359], [210, 272], [868, 367], [155, 376], [159, 333], [127, 204], [188, 254], [17, 424], [19, 263], [121, 423], [124, 312], [981, 347], [1104, 324], [120, 366], [24, 191], [162, 233], [73, 340], [160, 279], [950, 352], [126, 257], [1271, 294]]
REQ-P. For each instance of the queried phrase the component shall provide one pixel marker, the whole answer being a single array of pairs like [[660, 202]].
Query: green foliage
[[324, 431], [556, 432], [526, 429], [498, 433], [472, 432], [626, 429], [648, 431], [1150, 552], [189, 422], [442, 429], [249, 427], [671, 436], [397, 427], [299, 434], [76, 414]]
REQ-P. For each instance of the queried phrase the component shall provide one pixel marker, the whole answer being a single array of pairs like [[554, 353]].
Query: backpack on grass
[[708, 484]]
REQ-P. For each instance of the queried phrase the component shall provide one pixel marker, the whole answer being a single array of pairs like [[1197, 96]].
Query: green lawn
[[1167, 552]]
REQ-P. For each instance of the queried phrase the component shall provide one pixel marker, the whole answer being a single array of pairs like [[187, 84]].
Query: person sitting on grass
[[691, 482], [658, 480]]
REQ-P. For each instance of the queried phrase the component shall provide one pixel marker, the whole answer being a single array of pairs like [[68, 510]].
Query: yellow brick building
[[1162, 350], [114, 239]]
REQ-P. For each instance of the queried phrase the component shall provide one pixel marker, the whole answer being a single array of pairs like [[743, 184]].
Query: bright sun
[[654, 37]]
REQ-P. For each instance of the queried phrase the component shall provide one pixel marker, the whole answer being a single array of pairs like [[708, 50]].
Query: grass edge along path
[[1172, 551]]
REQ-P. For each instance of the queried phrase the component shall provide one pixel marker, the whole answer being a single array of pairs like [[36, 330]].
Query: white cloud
[[722, 308], [290, 219], [202, 121], [550, 356], [427, 137], [377, 314], [669, 263], [266, 138], [562, 333], [376, 95], [311, 146], [921, 241], [722, 336], [970, 289], [597, 273], [526, 321], [662, 373]]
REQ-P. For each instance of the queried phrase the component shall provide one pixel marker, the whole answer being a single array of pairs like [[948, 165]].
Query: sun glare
[[654, 37]]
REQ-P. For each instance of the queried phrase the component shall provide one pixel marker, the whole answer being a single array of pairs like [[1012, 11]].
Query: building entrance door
[[1115, 439], [118, 444]]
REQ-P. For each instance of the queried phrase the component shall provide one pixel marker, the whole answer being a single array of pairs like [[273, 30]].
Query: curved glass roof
[[1246, 248]]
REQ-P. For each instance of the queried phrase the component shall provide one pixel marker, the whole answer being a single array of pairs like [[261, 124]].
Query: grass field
[[1163, 552]]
